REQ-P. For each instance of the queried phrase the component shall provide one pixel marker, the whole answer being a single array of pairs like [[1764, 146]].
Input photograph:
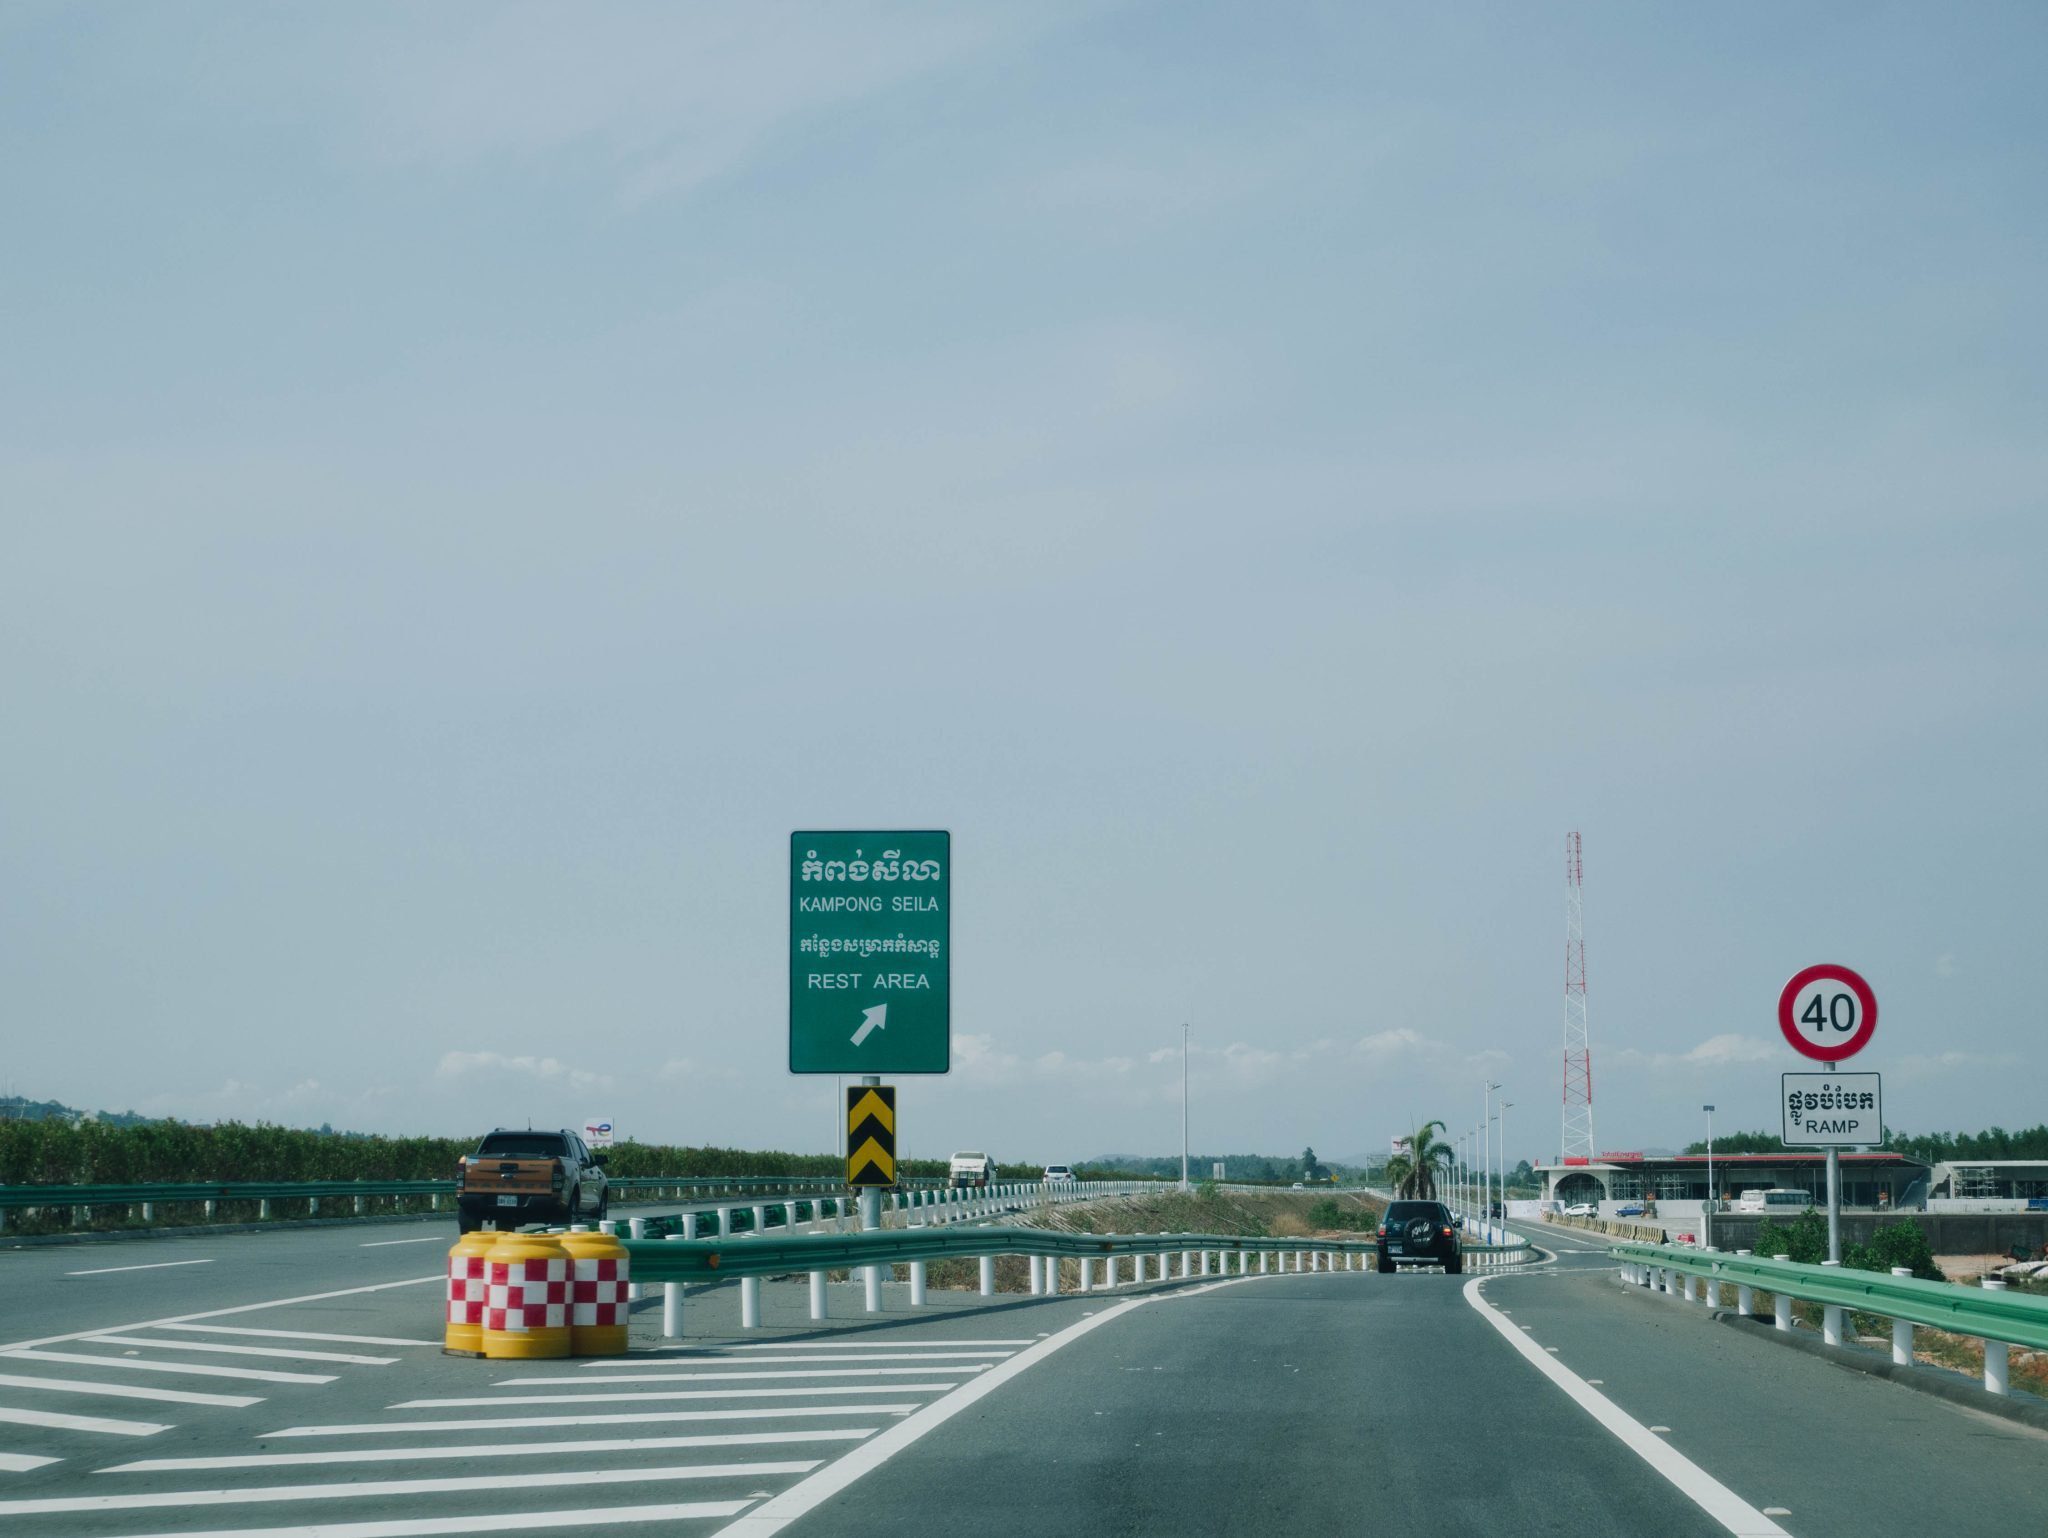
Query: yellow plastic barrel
[[526, 1315], [599, 1307], [468, 1290]]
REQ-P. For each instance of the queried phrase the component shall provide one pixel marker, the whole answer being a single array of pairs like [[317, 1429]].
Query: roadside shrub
[[1896, 1244], [1805, 1238]]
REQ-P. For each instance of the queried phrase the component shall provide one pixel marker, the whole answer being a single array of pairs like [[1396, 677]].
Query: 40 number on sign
[[1827, 1012]]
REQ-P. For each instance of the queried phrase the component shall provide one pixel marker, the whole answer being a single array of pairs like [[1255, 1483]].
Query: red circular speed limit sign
[[1827, 1012]]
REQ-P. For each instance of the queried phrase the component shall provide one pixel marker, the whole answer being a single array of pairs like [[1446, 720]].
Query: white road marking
[[155, 1265], [863, 1345], [497, 1522], [438, 1279], [93, 1423], [635, 1418], [346, 1340], [887, 1356], [493, 1450], [723, 1377], [127, 1391], [776, 1514], [1692, 1481], [184, 1369], [21, 1463], [274, 1352], [385, 1244], [496, 1400], [245, 1495]]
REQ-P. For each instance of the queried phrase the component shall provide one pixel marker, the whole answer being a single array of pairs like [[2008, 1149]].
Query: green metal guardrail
[[1992, 1314]]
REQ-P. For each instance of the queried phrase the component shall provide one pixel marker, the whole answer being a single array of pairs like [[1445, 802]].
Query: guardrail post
[[1244, 1262], [1187, 1264], [1997, 1354], [1087, 1266], [988, 1276], [1782, 1310], [917, 1284], [1205, 1262], [760, 1219], [750, 1302], [1902, 1330], [1745, 1295], [725, 1222], [1297, 1262], [263, 1210], [1109, 1272], [873, 1284], [1831, 1316], [1265, 1261], [671, 1300]]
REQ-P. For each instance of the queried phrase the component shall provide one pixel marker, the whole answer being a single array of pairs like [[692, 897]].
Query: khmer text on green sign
[[870, 952]]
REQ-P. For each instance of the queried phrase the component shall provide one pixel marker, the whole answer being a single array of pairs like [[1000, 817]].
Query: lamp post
[[1486, 1152], [1183, 1108], [1707, 1212], [1503, 1114]]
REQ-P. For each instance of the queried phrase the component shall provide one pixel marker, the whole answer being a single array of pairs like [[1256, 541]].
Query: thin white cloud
[[1724, 1050], [547, 1070]]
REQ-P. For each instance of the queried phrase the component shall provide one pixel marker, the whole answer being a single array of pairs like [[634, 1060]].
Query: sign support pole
[[1835, 1205], [870, 1196]]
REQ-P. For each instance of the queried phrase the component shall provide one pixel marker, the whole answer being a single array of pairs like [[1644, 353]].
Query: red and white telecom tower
[[1578, 1052]]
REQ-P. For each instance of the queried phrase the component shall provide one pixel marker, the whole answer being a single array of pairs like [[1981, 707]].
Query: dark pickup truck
[[515, 1178]]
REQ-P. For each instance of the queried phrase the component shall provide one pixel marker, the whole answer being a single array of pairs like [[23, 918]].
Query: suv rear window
[[1408, 1212], [522, 1145]]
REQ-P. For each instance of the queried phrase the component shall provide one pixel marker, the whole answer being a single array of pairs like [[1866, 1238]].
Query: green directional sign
[[870, 952]]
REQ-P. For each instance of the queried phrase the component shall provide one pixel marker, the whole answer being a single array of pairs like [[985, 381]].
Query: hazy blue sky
[[476, 477]]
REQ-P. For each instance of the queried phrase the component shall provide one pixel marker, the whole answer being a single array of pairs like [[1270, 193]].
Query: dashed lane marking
[[263, 1494], [496, 1522], [126, 1391], [276, 1353], [1692, 1481], [155, 1265], [346, 1340], [728, 1377], [633, 1418], [93, 1423], [385, 1244], [495, 1400], [859, 1345], [489, 1450], [888, 1356], [21, 1463], [184, 1369]]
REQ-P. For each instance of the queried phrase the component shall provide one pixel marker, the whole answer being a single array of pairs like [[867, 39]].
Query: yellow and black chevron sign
[[871, 1135]]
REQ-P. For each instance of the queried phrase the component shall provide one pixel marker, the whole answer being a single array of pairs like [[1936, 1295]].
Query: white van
[[970, 1171], [1777, 1199]]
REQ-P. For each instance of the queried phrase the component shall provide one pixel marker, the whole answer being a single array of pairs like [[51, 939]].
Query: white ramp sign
[[1839, 1110]]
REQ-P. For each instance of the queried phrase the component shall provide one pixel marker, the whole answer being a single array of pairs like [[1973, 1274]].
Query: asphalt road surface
[[291, 1385]]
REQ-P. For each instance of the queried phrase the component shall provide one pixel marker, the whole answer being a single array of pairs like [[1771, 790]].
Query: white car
[[1583, 1210], [1058, 1174]]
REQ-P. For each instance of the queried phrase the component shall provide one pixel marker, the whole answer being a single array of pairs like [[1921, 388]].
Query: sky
[[475, 478]]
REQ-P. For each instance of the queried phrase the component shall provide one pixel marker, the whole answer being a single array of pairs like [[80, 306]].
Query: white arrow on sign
[[869, 1020]]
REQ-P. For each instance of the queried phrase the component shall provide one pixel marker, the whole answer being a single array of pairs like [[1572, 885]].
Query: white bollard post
[[917, 1284], [1745, 1295], [1997, 1354], [1782, 1312], [1037, 1277], [1244, 1262], [1205, 1262], [819, 1308], [671, 1303], [1109, 1272], [1831, 1317], [1087, 1266], [750, 1302], [1902, 1330], [1052, 1276], [1297, 1262], [1265, 1262], [760, 1219], [725, 1222], [873, 1282], [988, 1276]]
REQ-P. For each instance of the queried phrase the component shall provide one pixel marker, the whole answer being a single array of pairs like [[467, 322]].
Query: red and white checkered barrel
[[598, 1312], [463, 1328], [526, 1299]]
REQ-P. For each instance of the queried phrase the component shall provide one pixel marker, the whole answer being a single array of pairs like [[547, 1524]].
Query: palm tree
[[1413, 1174]]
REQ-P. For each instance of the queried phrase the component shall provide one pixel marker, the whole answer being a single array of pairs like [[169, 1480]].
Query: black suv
[[1419, 1234]]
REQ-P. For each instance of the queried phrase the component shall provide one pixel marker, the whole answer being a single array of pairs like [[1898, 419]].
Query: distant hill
[[19, 1108]]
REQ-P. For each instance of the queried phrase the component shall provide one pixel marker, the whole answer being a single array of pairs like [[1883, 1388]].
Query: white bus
[[1777, 1199]]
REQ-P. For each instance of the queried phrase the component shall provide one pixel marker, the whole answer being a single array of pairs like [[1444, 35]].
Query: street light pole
[[1503, 1113], [1486, 1139], [1707, 1212], [1183, 1107]]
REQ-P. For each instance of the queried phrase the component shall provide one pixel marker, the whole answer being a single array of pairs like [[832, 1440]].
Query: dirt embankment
[[1252, 1215]]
